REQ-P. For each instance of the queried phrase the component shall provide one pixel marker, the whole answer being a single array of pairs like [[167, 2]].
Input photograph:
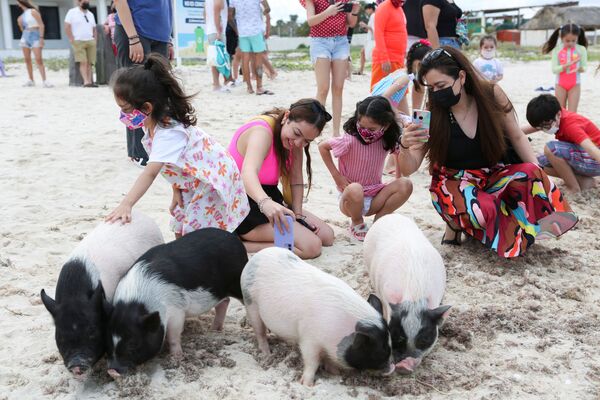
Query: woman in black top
[[474, 186], [440, 17]]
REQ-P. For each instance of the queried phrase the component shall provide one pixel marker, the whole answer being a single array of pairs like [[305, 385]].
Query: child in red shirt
[[575, 155]]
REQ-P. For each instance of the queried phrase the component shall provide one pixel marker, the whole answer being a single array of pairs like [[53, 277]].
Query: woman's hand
[[41, 43], [363, 25], [122, 212], [276, 213], [333, 9], [413, 134], [340, 181], [176, 201], [136, 51], [386, 67]]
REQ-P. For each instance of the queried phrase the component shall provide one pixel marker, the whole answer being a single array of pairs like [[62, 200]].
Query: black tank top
[[464, 152]]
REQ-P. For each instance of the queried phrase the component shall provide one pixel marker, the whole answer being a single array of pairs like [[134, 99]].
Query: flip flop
[[267, 92], [359, 231], [555, 224]]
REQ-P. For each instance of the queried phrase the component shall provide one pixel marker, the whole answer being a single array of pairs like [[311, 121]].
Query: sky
[[281, 9]]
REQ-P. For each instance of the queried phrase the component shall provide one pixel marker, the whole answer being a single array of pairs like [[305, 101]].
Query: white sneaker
[[47, 84], [29, 84]]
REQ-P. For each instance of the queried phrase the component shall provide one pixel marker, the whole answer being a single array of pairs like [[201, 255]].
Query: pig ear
[[151, 322], [438, 315], [375, 303], [48, 302]]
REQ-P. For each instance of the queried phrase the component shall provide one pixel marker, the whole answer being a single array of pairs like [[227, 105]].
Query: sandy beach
[[525, 328]]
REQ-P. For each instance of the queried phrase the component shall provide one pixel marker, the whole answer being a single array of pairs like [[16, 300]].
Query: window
[[49, 16]]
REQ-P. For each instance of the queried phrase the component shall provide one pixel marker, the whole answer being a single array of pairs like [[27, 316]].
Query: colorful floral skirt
[[504, 207]]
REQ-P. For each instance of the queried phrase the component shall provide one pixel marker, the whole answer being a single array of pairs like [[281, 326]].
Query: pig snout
[[115, 369], [113, 373], [408, 365], [78, 366]]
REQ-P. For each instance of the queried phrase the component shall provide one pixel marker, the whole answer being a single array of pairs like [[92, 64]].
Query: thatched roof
[[552, 17]]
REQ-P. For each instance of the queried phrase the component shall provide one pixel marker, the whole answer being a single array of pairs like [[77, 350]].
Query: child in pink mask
[[370, 135], [207, 186]]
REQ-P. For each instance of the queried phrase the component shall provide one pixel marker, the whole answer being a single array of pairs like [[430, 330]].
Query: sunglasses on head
[[434, 55]]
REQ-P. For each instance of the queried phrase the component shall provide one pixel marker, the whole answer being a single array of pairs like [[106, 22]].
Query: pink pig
[[408, 275], [331, 323]]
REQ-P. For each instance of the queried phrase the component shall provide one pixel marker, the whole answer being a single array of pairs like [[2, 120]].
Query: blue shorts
[[331, 48], [577, 158], [450, 41], [253, 44], [30, 39]]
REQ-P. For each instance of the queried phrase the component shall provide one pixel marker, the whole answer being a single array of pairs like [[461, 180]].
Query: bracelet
[[133, 44], [356, 15], [261, 203], [133, 37], [401, 145]]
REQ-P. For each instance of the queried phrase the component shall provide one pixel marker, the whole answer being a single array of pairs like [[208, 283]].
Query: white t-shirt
[[491, 69], [248, 17], [82, 29], [168, 144], [371, 32], [209, 6]]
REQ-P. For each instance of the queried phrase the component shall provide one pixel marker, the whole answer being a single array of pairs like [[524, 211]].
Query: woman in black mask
[[485, 178]]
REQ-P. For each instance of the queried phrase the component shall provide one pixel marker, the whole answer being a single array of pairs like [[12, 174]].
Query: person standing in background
[[109, 27], [414, 22], [367, 51], [80, 26], [32, 39], [390, 40], [216, 27], [142, 27], [440, 18]]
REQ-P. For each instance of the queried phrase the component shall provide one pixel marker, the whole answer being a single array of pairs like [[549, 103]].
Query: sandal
[[265, 92], [555, 224], [359, 231], [457, 235]]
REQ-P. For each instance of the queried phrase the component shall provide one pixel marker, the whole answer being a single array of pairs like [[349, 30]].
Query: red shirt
[[390, 34], [575, 128], [331, 26]]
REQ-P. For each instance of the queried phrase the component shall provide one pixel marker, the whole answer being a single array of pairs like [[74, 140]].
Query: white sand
[[528, 328]]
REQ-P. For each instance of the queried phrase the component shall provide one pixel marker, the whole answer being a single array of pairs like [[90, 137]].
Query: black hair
[[27, 4], [564, 31], [307, 110], [488, 37], [416, 52], [371, 6], [542, 109], [154, 82], [379, 109]]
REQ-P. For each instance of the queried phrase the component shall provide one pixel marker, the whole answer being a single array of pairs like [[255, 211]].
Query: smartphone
[[347, 7], [286, 239], [422, 118]]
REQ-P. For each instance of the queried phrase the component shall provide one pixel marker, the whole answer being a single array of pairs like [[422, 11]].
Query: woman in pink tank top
[[271, 148]]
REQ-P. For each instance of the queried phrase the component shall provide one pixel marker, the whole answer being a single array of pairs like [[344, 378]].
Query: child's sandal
[[359, 231]]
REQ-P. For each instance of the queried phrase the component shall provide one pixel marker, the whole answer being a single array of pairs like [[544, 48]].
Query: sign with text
[[190, 24]]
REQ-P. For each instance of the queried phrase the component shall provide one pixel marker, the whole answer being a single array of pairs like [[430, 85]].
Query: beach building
[[536, 31]]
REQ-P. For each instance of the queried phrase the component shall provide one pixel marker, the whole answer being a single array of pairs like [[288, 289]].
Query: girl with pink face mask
[[207, 185], [370, 135]]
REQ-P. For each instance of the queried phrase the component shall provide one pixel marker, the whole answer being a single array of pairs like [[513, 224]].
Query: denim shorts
[[30, 39], [577, 158], [450, 41], [332, 48]]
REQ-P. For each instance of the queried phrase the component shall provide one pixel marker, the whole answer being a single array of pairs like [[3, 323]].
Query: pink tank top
[[269, 171]]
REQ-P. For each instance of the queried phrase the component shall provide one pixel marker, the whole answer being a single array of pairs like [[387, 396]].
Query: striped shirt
[[360, 163]]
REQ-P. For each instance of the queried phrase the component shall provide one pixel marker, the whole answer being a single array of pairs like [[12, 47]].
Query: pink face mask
[[368, 135], [134, 119]]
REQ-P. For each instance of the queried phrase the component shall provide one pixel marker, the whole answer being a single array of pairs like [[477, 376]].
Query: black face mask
[[445, 97], [85, 5]]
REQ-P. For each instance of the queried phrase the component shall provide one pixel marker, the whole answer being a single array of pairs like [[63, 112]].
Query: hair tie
[[148, 64], [425, 42]]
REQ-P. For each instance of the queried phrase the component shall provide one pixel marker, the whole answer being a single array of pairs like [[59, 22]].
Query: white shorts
[[366, 203]]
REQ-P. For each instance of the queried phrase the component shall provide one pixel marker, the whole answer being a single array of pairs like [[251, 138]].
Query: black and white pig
[[188, 276], [409, 276], [92, 272], [326, 317]]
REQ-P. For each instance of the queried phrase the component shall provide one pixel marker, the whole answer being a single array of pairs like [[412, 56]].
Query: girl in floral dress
[[207, 186]]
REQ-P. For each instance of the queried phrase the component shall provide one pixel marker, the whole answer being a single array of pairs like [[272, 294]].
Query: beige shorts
[[85, 51]]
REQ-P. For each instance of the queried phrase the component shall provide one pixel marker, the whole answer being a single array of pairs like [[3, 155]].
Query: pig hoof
[[114, 374], [307, 381], [177, 355], [403, 369], [217, 327]]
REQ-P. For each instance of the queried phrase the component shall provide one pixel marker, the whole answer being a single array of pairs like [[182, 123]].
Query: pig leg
[[331, 367], [311, 356], [260, 330], [174, 329], [220, 311]]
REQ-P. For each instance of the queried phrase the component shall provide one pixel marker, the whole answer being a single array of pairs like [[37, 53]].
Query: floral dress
[[210, 182]]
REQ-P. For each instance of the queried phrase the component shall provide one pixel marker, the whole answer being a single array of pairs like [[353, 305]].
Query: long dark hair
[[155, 83], [307, 110], [564, 31], [490, 112], [416, 52], [26, 4], [378, 109]]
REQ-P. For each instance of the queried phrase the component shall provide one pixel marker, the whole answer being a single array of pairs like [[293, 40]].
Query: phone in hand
[[422, 118], [285, 239], [347, 7]]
